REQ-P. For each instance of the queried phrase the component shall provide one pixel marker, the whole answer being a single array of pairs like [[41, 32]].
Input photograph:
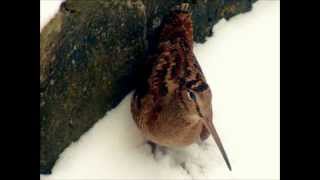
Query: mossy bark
[[90, 56]]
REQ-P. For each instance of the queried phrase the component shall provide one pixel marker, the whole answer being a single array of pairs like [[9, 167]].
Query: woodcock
[[173, 108]]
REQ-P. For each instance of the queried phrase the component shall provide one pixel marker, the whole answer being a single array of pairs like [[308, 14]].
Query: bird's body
[[173, 108]]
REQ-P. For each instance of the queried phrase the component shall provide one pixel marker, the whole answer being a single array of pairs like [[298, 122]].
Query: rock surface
[[91, 53]]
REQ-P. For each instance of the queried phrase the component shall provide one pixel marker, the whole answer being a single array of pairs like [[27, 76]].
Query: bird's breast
[[174, 133]]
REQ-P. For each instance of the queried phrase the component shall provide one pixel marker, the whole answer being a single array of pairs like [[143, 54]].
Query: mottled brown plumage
[[174, 108]]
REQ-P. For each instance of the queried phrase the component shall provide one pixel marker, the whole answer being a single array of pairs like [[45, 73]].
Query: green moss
[[234, 7]]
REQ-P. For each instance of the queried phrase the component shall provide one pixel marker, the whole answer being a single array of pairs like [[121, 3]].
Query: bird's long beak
[[209, 125], [216, 137]]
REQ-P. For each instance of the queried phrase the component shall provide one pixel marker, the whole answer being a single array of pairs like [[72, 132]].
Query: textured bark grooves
[[90, 55]]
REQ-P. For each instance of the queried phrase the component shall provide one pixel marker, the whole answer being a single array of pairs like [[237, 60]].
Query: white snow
[[241, 64], [48, 9]]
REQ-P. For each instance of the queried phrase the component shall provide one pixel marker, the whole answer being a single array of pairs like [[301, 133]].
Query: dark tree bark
[[90, 55]]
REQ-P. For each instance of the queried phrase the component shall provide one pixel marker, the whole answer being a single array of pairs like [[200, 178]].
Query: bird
[[172, 107]]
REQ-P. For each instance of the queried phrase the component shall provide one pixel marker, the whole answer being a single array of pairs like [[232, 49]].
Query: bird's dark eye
[[192, 95]]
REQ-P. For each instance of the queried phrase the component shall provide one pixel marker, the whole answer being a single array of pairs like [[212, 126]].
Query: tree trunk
[[90, 55]]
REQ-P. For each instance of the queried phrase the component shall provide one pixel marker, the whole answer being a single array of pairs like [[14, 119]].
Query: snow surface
[[48, 9], [241, 63]]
